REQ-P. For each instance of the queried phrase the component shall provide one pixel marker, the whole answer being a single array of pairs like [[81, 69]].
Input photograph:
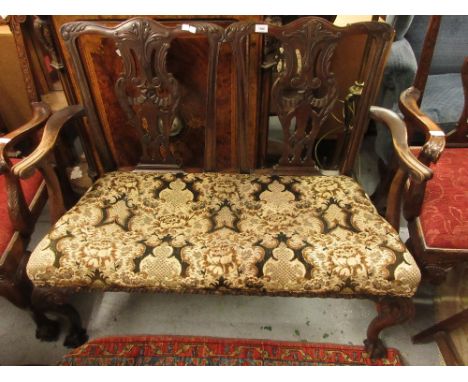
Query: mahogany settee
[[284, 229]]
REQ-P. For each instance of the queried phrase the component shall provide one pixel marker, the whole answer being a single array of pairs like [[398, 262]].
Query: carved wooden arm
[[51, 133], [435, 137], [40, 158], [430, 152], [409, 165], [41, 111], [408, 162], [18, 210]]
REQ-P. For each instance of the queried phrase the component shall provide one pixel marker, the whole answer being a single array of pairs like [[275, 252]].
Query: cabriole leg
[[390, 311], [48, 300], [19, 294]]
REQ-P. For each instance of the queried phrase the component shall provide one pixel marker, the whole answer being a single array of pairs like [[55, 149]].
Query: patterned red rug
[[179, 350]]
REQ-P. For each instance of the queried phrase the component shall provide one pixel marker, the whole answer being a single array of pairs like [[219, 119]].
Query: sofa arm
[[41, 112]]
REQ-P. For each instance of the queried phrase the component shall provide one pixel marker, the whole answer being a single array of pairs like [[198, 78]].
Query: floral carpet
[[205, 351]]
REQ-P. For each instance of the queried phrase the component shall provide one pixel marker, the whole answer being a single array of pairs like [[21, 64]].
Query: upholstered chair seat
[[444, 216], [30, 188], [234, 233]]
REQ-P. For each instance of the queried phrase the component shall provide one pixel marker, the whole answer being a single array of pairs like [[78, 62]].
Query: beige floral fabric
[[224, 233]]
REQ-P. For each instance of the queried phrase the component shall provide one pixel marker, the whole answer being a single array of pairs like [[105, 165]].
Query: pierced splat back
[[306, 90], [146, 91]]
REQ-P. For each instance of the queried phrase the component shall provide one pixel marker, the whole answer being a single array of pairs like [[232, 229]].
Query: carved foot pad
[[375, 349], [48, 331], [75, 338]]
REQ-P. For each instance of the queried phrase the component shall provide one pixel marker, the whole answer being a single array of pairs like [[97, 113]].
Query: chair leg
[[390, 311], [436, 273], [380, 195], [46, 329], [47, 300], [13, 293], [20, 296]]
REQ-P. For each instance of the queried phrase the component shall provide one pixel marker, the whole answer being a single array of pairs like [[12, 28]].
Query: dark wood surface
[[17, 25], [150, 97], [309, 89], [187, 62]]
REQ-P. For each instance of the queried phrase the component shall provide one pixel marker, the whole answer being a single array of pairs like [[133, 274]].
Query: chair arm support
[[51, 133], [408, 162], [41, 112], [435, 136]]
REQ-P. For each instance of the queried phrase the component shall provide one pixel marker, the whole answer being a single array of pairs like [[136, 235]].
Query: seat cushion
[[444, 216], [29, 187], [225, 233]]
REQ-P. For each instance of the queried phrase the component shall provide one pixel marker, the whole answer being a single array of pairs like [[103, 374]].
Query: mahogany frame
[[143, 45]]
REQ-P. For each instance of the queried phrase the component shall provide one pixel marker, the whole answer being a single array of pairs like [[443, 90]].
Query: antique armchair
[[427, 53], [439, 45], [437, 212], [285, 230], [21, 202]]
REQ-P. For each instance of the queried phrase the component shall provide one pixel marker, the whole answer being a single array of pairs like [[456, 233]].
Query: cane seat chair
[[287, 230]]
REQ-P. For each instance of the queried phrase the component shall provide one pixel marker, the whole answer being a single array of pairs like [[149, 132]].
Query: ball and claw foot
[[375, 349], [75, 338], [48, 331]]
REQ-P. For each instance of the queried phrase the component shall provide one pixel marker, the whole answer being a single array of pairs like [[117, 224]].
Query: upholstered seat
[[444, 216], [29, 187], [211, 232]]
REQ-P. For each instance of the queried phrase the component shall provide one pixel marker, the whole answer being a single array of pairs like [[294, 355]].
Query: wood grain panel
[[187, 62]]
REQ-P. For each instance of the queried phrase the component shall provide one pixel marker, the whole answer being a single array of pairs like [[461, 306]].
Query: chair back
[[146, 91], [325, 74], [326, 79]]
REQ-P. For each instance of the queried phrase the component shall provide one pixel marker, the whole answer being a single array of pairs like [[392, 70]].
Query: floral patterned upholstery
[[444, 214], [225, 233]]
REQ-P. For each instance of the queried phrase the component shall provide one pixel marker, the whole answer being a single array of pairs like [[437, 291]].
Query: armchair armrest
[[41, 111], [435, 136], [51, 133], [430, 152], [408, 162], [409, 165]]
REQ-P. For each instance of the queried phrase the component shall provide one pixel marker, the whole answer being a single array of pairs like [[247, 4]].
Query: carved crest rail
[[304, 93]]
